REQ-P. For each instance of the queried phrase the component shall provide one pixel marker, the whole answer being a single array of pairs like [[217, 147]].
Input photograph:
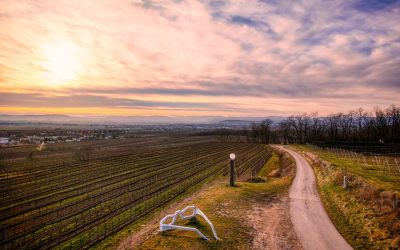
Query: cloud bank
[[200, 57]]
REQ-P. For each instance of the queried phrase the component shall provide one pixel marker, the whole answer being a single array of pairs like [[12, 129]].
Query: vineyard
[[387, 164], [364, 148], [74, 195]]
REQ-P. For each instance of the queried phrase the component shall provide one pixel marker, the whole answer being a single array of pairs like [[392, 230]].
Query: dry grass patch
[[365, 213]]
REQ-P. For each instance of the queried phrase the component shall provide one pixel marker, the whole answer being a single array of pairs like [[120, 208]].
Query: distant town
[[11, 138], [30, 133]]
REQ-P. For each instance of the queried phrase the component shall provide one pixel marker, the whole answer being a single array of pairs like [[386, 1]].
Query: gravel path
[[311, 223]]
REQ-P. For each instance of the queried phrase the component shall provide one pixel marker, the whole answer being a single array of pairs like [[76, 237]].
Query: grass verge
[[359, 212]]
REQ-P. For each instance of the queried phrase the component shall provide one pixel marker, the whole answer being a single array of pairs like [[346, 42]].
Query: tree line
[[360, 125]]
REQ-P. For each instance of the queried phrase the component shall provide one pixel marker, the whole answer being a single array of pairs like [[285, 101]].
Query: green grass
[[378, 178], [271, 164]]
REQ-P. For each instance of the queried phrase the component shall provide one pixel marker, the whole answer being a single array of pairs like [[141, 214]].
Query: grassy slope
[[356, 220], [223, 205], [378, 178]]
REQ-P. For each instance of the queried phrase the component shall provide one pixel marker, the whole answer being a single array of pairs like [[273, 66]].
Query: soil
[[272, 226]]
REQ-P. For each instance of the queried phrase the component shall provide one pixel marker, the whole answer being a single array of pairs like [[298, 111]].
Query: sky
[[198, 58]]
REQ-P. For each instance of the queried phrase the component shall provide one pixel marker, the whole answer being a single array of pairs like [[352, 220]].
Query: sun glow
[[62, 63]]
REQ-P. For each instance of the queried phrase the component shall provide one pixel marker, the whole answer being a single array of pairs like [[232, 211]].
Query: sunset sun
[[61, 63]]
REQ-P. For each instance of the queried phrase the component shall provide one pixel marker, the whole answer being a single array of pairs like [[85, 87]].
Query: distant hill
[[36, 118], [249, 121], [235, 122], [132, 120]]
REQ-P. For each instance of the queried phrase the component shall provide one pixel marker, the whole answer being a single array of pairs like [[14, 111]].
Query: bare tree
[[355, 126]]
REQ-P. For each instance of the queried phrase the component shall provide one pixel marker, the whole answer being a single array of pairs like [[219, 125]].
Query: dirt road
[[272, 226], [311, 223]]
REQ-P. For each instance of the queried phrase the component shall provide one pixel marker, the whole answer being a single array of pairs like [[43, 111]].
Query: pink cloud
[[287, 51]]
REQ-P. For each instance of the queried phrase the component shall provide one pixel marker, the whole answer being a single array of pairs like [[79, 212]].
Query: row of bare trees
[[262, 132], [380, 125], [360, 126]]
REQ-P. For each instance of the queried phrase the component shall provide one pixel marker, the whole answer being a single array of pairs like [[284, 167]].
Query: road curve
[[311, 223]]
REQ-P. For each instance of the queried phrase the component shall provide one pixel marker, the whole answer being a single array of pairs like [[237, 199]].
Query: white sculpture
[[170, 226]]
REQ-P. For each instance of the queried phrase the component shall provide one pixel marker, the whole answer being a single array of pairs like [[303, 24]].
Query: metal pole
[[232, 174]]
